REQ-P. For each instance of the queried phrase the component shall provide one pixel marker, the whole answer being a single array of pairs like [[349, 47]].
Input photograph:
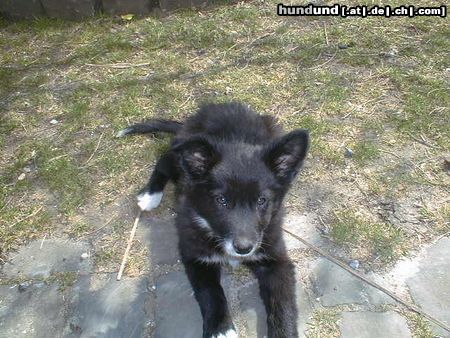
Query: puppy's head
[[235, 189]]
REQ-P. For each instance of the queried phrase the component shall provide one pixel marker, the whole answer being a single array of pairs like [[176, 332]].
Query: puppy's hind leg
[[165, 170]]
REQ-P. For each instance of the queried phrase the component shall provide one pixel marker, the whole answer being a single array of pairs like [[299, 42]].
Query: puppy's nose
[[243, 246]]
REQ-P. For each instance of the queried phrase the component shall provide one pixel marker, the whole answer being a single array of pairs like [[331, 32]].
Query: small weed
[[65, 279], [440, 217], [107, 258], [420, 326], [365, 151], [324, 324]]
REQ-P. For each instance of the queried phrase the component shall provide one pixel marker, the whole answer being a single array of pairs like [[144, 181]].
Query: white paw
[[123, 132], [148, 201], [229, 334]]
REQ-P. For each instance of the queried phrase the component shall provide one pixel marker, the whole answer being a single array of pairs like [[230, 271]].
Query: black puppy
[[232, 168]]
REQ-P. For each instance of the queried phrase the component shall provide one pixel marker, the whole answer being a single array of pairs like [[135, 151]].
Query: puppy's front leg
[[277, 289], [205, 280]]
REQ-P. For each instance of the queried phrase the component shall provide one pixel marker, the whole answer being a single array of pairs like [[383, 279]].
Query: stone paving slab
[[161, 236], [335, 286], [35, 311], [430, 286], [374, 325], [101, 307], [303, 226], [253, 310], [54, 256], [178, 314], [255, 315]]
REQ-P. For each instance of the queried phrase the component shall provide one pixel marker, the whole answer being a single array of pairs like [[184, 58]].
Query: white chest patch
[[225, 260]]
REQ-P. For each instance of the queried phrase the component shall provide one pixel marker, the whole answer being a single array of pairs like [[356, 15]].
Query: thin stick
[[42, 243], [95, 150], [118, 65], [34, 213], [323, 64], [127, 250], [368, 281], [423, 141], [326, 34], [95, 230]]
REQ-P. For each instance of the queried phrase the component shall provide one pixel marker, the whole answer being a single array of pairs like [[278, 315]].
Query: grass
[[420, 327], [373, 240], [97, 76], [365, 151], [324, 324]]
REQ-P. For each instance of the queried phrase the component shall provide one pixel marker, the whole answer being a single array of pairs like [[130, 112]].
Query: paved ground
[[44, 298]]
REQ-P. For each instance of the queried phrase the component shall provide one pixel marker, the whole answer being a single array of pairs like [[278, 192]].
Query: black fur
[[232, 168]]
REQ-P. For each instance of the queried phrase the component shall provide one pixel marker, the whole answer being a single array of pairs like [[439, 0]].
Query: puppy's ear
[[285, 155], [197, 156]]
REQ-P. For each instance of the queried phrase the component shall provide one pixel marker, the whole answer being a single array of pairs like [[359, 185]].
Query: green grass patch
[[365, 151], [374, 239], [426, 102], [18, 225], [63, 176]]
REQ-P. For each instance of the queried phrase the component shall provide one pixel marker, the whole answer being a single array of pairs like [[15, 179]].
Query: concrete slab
[[177, 312], [253, 310], [335, 286], [255, 315], [430, 286], [37, 311], [55, 255], [103, 307], [374, 325], [303, 226], [161, 236]]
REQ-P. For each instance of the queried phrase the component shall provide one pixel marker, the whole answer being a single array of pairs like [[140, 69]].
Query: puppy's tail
[[152, 126]]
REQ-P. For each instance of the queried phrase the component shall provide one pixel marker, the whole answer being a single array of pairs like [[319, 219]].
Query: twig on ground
[[94, 231], [389, 152], [127, 250], [326, 62], [57, 158], [326, 34], [422, 141], [95, 150], [118, 65], [42, 242], [368, 281], [27, 217]]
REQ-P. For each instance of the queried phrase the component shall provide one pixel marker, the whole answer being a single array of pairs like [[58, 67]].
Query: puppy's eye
[[221, 200], [261, 201]]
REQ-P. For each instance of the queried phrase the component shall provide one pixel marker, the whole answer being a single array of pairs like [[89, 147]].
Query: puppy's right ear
[[197, 156]]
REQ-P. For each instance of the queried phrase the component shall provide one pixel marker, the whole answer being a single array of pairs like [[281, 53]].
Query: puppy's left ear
[[285, 155], [197, 157]]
